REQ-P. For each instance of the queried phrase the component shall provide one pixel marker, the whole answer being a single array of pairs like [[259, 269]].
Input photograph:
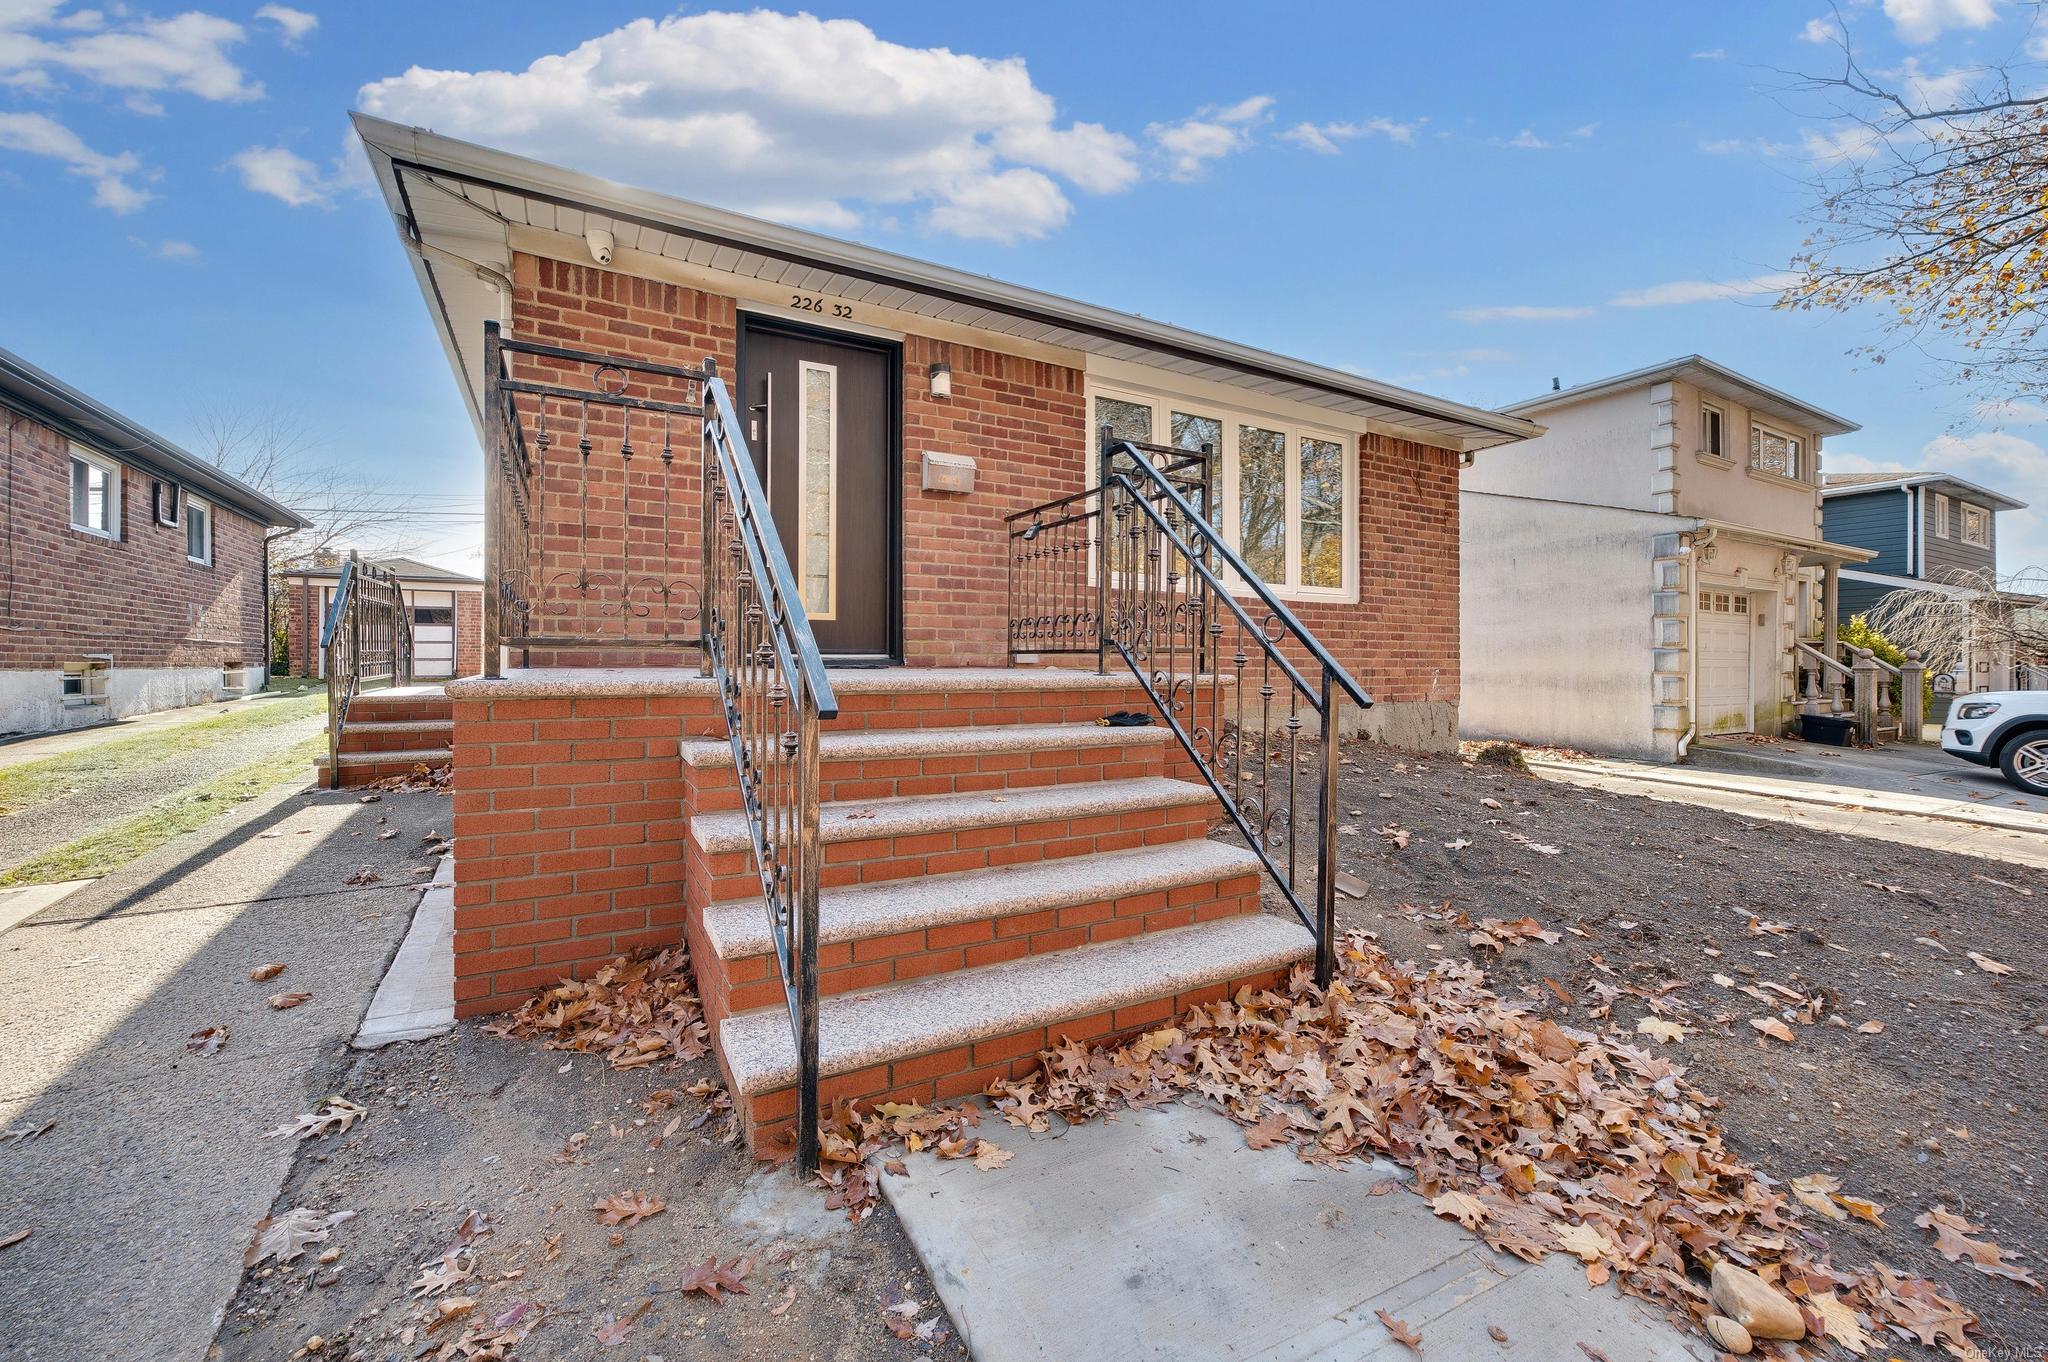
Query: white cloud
[[1842, 144], [1922, 21], [1703, 290], [1586, 129], [1821, 30], [2011, 411], [1517, 312], [1989, 457], [183, 252], [111, 176], [1710, 54], [805, 118], [1324, 137], [292, 24], [283, 174], [1212, 133], [1527, 140], [185, 54]]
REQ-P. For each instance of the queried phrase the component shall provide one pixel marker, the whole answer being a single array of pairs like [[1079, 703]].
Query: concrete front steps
[[998, 873], [393, 732]]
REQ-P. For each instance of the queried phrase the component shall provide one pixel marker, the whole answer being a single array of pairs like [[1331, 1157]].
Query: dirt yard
[[1929, 1091], [534, 1140]]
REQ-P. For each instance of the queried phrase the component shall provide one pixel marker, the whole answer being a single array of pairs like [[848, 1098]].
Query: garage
[[1725, 630]]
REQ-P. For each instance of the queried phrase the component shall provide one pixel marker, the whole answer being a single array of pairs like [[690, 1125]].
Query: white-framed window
[[199, 531], [1288, 489], [1943, 517], [1711, 423], [1776, 453], [84, 681], [95, 493], [163, 500], [1976, 525]]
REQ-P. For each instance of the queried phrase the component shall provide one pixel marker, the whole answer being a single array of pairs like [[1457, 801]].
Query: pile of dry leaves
[[1535, 1136], [639, 1009], [434, 779]]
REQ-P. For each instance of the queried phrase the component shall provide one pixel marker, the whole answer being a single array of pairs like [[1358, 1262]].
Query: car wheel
[[2025, 763]]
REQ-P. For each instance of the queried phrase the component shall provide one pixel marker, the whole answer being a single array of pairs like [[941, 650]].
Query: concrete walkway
[[29, 747], [144, 1190], [417, 996], [1161, 1235], [1922, 777]]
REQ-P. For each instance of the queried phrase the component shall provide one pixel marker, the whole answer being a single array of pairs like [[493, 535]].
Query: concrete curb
[[416, 999], [1797, 792]]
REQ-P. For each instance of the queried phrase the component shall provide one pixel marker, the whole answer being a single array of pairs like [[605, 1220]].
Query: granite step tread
[[860, 744], [861, 820], [740, 929], [398, 725], [422, 756], [859, 1030]]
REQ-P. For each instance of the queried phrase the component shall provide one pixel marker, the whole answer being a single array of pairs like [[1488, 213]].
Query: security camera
[[600, 243]]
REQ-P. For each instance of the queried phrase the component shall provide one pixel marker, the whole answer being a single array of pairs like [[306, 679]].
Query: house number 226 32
[[803, 302]]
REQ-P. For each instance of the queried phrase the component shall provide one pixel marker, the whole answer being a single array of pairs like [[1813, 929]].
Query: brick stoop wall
[[595, 814]]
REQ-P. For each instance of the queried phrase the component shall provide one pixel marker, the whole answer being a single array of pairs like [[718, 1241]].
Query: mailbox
[[948, 472]]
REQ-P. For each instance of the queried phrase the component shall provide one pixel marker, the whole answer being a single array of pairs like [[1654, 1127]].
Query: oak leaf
[[1773, 1028], [1403, 1334], [284, 1002], [708, 1278], [1463, 1207], [627, 1209]]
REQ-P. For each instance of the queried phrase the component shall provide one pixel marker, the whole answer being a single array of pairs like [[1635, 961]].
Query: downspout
[[1692, 650]]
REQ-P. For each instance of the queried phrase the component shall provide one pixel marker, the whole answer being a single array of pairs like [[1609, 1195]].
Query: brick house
[[134, 571], [907, 627], [446, 606]]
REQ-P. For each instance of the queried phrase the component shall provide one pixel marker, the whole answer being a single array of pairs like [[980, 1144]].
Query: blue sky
[[1469, 200]]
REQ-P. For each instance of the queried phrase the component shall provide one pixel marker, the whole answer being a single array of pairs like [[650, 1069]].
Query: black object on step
[[1125, 718]]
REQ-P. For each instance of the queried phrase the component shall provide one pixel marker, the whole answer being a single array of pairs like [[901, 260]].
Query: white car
[[2003, 728]]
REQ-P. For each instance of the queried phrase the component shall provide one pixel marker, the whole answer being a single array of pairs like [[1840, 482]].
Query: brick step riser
[[964, 1070], [365, 773], [713, 789], [354, 739], [958, 709], [716, 877], [739, 985], [372, 709]]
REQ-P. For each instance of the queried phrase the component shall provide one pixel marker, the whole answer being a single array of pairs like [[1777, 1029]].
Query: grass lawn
[[38, 782], [100, 851]]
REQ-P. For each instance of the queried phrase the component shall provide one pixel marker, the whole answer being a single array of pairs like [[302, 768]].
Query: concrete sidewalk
[[143, 1193], [1915, 771], [1161, 1235], [15, 751]]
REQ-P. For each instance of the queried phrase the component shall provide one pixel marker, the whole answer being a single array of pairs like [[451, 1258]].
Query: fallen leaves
[[22, 1134], [1951, 1241], [1988, 965], [1399, 836], [1496, 935], [640, 1009], [1773, 1028], [1403, 1334], [612, 1329], [265, 973], [627, 1209], [285, 1002], [284, 1237], [1466, 1209], [1660, 1029], [333, 1116], [709, 1278], [13, 1237], [207, 1040]]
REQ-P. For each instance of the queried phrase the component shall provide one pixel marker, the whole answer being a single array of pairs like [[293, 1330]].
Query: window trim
[[1963, 524], [1717, 448], [112, 468], [1234, 416], [1801, 455], [1943, 516], [204, 510]]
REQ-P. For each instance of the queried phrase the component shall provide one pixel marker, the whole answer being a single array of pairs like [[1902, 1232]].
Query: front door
[[820, 419]]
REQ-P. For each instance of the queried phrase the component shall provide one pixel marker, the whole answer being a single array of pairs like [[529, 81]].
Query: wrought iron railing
[[774, 691], [366, 639], [1136, 569], [587, 508], [586, 533]]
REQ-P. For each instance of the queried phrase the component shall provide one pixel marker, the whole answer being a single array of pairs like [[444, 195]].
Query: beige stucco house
[[1644, 571]]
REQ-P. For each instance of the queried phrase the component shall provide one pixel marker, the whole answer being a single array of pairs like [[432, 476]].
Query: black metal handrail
[[1194, 623], [366, 636], [774, 692]]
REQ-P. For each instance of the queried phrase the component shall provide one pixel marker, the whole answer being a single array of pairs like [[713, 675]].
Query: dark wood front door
[[820, 416]]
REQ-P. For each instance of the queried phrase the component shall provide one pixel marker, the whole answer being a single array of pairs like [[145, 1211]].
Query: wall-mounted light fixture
[[941, 381]]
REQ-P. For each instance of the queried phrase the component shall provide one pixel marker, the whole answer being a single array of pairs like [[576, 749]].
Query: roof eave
[[393, 148], [1817, 419]]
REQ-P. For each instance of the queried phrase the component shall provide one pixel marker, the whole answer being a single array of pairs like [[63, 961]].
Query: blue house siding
[[1855, 598], [1869, 520]]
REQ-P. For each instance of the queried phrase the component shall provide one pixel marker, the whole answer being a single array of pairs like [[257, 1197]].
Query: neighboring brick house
[[1930, 532], [1644, 573], [898, 413], [447, 616], [134, 573]]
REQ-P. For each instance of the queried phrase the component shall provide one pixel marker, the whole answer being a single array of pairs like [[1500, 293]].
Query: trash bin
[[1831, 729]]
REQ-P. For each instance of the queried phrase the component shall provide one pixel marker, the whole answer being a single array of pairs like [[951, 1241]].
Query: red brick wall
[[569, 820], [469, 633], [139, 597], [1025, 424]]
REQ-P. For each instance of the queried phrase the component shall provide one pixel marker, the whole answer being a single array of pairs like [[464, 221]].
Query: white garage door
[[433, 634], [1724, 628]]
